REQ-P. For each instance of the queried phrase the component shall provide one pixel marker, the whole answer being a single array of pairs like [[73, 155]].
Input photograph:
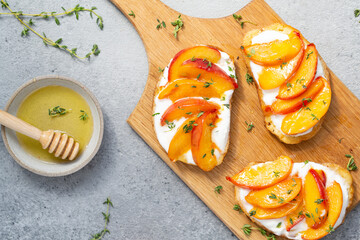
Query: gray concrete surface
[[150, 201]]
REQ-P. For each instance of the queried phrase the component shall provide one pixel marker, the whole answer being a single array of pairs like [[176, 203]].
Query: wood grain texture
[[342, 120]]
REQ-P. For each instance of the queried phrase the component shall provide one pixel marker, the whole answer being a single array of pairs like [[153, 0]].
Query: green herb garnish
[[132, 14], [178, 24], [19, 15], [83, 115], [57, 111], [218, 188], [351, 166], [106, 215]]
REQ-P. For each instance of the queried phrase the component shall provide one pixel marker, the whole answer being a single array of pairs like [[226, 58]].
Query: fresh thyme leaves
[[230, 69], [330, 230], [19, 15], [272, 196], [357, 12], [238, 208], [340, 139], [252, 213], [212, 152], [170, 125], [289, 85], [308, 55], [278, 225], [289, 191], [305, 101], [291, 221], [276, 173], [200, 114], [249, 126], [247, 229], [306, 162], [178, 24], [227, 106], [283, 64], [161, 69], [252, 51], [249, 78], [188, 127], [218, 189], [204, 155], [198, 76], [239, 19], [351, 166], [160, 24], [57, 111], [294, 182], [206, 98], [314, 117], [207, 84], [155, 114], [106, 215], [318, 201], [132, 14], [83, 115]]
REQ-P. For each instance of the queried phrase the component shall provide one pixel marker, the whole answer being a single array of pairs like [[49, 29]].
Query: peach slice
[[322, 176], [270, 213], [182, 88], [210, 53], [301, 80], [263, 175], [291, 105], [275, 52], [335, 197], [307, 117], [295, 217], [202, 146], [203, 70], [274, 76], [187, 107], [275, 196], [181, 142], [315, 200]]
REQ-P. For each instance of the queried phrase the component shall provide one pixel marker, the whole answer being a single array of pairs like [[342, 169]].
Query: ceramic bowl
[[38, 166]]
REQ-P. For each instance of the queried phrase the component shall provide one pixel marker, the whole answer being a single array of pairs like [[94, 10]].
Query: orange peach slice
[[300, 81], [275, 76], [202, 146], [270, 213], [182, 88], [307, 117], [315, 200], [335, 197], [187, 107], [291, 105], [211, 74], [263, 175], [181, 142], [322, 176], [275, 52], [295, 217], [275, 196], [210, 53]]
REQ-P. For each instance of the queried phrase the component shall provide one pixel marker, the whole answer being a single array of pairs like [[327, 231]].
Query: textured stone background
[[150, 201]]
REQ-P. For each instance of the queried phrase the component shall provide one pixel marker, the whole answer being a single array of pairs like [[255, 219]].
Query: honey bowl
[[40, 102]]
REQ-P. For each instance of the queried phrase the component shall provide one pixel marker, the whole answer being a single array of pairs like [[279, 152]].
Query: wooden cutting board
[[342, 120]]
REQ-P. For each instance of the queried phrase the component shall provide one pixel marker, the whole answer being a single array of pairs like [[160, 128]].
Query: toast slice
[[347, 187], [269, 123], [198, 80]]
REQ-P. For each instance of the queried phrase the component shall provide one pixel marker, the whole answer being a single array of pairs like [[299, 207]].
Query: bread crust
[[288, 139], [182, 159], [336, 168]]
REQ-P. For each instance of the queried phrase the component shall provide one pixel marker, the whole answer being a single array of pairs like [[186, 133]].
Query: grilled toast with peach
[[192, 106], [292, 80], [294, 200]]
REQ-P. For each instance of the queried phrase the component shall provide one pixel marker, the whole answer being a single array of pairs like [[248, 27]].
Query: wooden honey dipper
[[58, 143]]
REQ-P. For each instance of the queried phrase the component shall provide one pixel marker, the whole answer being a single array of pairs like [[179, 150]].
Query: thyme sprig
[[178, 24], [247, 228], [106, 215], [83, 115], [19, 15], [241, 21], [57, 111], [351, 166]]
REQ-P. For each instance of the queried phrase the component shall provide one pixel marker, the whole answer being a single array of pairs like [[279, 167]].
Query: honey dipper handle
[[19, 125]]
